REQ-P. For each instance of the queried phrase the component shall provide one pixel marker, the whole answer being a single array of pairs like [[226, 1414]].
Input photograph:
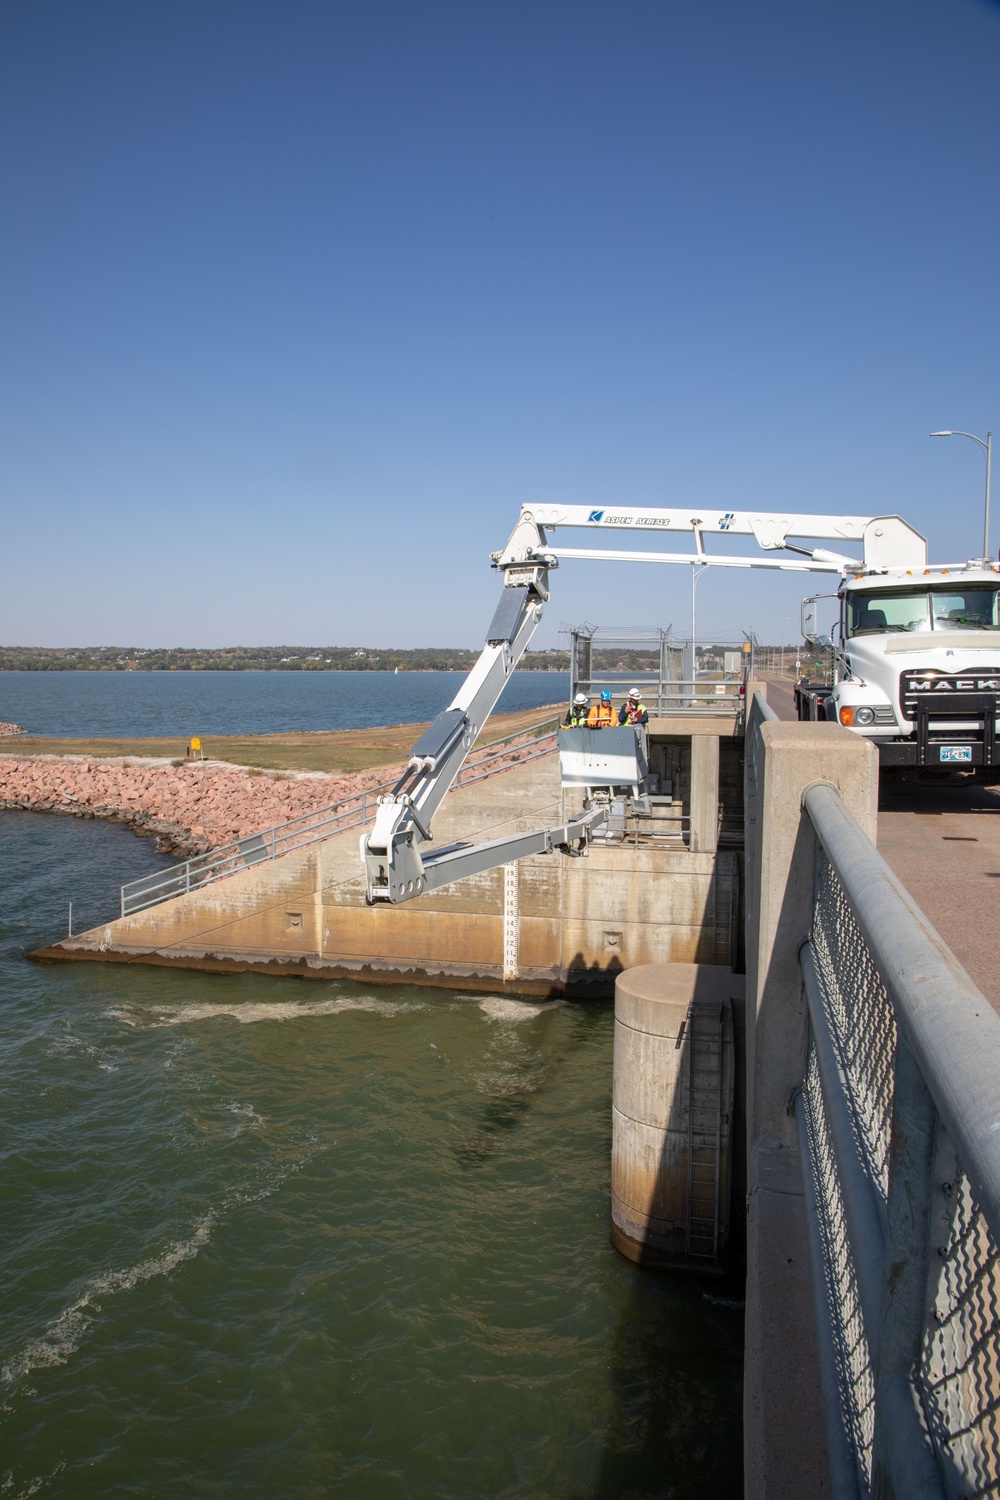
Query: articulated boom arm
[[394, 867], [887, 541], [395, 870]]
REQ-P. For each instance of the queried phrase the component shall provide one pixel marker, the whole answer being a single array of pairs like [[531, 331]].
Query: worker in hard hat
[[602, 715], [576, 715], [633, 710]]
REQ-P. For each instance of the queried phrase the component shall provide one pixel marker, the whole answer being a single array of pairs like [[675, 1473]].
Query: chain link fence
[[894, 1196], [673, 673]]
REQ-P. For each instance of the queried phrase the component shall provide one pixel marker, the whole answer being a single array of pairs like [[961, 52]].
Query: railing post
[[364, 808], [122, 899], [781, 845], [69, 926], [663, 672], [704, 798]]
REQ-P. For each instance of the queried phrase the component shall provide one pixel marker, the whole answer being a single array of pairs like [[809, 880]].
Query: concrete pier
[[672, 1141]]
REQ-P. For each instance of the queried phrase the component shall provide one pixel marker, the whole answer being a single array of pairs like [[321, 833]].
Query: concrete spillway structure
[[666, 891]]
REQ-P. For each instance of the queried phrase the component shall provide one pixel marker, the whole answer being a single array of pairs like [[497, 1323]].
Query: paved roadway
[[944, 845]]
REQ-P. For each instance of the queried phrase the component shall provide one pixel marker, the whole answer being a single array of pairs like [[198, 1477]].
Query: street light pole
[[987, 448]]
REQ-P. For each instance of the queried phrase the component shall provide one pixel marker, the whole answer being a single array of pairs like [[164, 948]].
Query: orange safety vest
[[601, 716]]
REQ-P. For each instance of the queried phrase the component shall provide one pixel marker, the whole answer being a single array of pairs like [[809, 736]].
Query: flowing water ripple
[[64, 1335]]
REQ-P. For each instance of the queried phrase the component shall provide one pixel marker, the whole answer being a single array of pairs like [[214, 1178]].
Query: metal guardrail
[[703, 695], [900, 1140], [899, 1133], [898, 1119], [676, 675], [518, 748]]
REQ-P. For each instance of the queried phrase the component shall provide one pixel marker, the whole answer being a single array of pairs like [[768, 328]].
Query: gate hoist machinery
[[397, 863]]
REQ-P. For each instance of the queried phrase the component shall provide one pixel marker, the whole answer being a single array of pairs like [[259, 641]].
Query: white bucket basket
[[591, 758]]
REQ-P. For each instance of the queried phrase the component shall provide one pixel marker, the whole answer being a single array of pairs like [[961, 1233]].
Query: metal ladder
[[705, 1047]]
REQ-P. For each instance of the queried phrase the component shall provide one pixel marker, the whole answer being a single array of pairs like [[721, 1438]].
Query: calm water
[[110, 704], [281, 1238]]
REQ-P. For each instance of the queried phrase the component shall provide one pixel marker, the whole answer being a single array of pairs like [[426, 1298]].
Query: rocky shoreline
[[7, 731], [188, 807], [192, 806]]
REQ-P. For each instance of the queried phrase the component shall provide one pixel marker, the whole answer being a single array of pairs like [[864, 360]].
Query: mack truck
[[915, 660]]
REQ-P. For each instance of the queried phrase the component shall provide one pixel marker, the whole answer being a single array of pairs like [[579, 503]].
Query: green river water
[[282, 1238]]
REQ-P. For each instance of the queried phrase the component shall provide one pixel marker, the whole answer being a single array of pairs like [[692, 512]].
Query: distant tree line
[[257, 659]]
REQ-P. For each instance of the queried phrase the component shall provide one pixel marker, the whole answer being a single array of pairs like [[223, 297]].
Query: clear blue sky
[[302, 299]]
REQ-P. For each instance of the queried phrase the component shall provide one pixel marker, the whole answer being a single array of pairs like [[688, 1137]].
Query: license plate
[[956, 752]]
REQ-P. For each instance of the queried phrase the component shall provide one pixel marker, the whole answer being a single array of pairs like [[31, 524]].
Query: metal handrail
[[323, 823], [763, 709], [704, 691], [949, 1025], [944, 1064]]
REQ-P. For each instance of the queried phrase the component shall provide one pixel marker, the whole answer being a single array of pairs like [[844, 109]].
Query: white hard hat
[[634, 693], [581, 698]]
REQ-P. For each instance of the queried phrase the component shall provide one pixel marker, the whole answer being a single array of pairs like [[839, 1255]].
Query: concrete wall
[[782, 1390], [580, 921]]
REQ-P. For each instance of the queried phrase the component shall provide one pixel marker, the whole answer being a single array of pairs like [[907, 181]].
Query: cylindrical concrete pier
[[672, 1115]]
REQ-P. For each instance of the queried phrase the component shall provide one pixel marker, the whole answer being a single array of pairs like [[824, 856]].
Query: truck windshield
[[973, 608]]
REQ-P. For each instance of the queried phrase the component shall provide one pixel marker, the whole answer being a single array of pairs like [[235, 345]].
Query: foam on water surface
[[249, 1011], [498, 1008], [63, 1336]]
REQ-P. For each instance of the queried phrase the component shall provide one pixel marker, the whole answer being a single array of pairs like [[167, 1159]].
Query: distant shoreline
[[330, 671], [283, 658]]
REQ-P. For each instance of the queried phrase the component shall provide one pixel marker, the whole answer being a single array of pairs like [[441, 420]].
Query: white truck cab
[[916, 666]]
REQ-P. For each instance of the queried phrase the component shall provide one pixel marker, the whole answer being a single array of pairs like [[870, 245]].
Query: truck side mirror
[[810, 619]]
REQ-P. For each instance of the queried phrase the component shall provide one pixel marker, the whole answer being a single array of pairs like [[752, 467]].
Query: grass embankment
[[338, 750]]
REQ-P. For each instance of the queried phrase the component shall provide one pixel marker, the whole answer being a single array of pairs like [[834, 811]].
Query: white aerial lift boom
[[396, 866], [395, 870]]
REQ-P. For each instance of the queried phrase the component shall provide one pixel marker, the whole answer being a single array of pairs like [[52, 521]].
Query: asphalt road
[[944, 845]]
